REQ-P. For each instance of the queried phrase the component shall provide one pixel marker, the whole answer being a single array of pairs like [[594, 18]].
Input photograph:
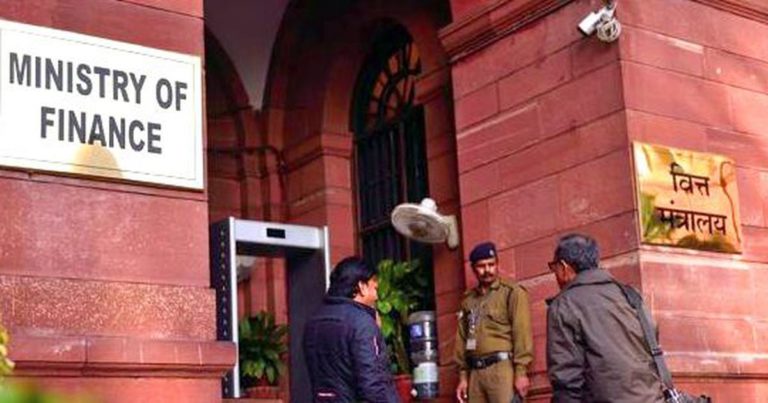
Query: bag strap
[[636, 301]]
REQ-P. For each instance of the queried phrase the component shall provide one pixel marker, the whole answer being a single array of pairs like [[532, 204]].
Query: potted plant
[[261, 351], [402, 289]]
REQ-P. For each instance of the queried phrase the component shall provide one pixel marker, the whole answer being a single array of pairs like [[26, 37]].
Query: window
[[390, 147]]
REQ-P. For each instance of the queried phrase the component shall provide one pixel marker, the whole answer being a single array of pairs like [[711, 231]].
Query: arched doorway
[[309, 100]]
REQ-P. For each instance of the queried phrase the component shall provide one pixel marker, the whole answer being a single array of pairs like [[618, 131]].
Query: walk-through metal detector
[[307, 258]]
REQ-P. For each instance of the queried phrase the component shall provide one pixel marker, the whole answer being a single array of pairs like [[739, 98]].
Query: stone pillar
[[104, 286]]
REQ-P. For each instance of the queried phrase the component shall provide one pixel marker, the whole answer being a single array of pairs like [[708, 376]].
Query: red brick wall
[[703, 86], [542, 148], [243, 174], [110, 279], [544, 121]]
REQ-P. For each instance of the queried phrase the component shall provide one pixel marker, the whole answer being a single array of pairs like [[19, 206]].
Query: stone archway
[[300, 169], [317, 58]]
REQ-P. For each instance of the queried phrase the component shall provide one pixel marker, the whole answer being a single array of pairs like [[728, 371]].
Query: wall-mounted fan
[[421, 222]]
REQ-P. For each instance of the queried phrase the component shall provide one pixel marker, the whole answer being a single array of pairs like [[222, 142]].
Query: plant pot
[[263, 392], [403, 386]]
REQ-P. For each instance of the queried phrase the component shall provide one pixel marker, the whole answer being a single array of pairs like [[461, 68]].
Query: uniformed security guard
[[494, 342]]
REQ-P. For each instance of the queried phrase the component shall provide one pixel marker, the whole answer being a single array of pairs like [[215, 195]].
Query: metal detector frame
[[264, 239]]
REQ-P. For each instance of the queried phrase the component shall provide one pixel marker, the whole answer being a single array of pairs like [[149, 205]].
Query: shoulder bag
[[671, 394]]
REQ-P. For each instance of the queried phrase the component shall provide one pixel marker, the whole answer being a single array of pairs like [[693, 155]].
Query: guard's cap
[[483, 250]]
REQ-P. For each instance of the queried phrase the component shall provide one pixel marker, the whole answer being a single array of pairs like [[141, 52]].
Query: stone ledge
[[718, 366], [492, 23], [119, 357], [744, 8], [46, 306]]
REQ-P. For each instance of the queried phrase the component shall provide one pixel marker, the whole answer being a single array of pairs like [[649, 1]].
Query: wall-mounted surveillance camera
[[603, 22]]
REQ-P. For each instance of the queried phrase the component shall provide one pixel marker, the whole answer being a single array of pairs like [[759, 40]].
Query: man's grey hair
[[579, 251]]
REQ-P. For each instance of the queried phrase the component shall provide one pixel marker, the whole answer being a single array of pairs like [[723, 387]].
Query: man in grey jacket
[[596, 350]]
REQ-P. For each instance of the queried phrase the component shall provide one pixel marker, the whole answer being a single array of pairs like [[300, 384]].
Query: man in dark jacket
[[343, 346], [596, 349]]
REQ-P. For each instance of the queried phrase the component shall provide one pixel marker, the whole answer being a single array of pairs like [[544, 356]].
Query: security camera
[[604, 22]]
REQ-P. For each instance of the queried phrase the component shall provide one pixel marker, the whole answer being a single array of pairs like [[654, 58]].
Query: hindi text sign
[[687, 199]]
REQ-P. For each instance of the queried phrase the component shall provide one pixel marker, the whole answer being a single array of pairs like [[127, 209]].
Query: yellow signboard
[[687, 199]]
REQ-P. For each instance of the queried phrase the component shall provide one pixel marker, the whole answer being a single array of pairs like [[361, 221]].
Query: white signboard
[[83, 105]]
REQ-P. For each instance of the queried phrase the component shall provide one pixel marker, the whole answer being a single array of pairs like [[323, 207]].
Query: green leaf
[[262, 346], [271, 374], [400, 305], [384, 289], [403, 287], [384, 306], [387, 328], [245, 329], [258, 368]]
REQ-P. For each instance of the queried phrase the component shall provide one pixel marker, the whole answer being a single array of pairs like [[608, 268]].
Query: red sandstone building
[[499, 110]]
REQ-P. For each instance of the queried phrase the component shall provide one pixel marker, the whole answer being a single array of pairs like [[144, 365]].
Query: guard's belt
[[487, 360]]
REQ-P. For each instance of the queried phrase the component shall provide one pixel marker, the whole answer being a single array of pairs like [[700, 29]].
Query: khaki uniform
[[502, 324]]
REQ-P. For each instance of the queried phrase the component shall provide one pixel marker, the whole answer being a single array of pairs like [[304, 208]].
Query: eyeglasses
[[554, 265]]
